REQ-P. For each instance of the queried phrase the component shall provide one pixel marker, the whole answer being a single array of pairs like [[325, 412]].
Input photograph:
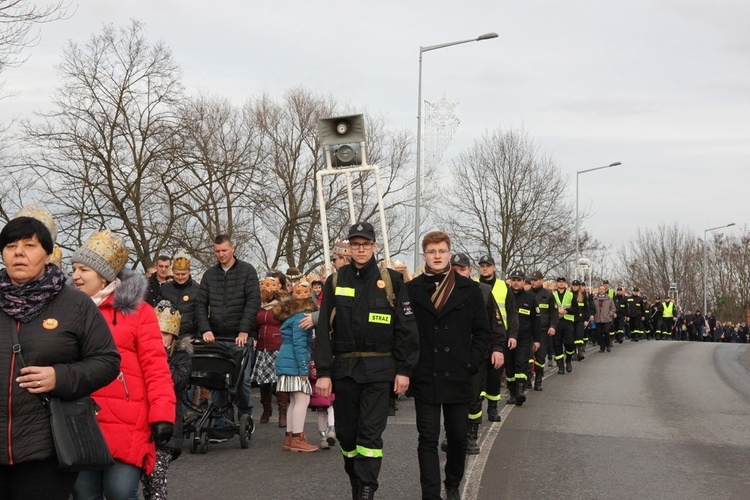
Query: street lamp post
[[418, 200], [578, 173], [705, 286]]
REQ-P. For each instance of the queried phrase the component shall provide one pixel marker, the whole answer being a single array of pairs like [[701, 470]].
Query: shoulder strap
[[388, 285], [17, 344], [334, 280]]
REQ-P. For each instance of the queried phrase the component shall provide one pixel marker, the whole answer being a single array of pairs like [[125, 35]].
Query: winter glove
[[161, 433]]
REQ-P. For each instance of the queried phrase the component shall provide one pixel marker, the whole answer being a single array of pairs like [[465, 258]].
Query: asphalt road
[[648, 420]]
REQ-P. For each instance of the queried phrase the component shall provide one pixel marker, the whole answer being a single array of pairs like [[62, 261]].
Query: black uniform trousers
[[580, 333], [361, 414], [493, 380], [564, 337], [618, 328], [666, 325], [603, 330], [537, 357], [636, 327], [517, 360], [477, 381], [428, 427]]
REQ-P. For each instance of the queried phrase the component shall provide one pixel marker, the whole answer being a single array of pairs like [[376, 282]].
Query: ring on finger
[[38, 383]]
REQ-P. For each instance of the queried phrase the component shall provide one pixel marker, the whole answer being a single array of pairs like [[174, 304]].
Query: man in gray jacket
[[604, 315]]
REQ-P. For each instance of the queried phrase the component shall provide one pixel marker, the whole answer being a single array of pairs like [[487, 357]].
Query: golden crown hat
[[105, 253], [56, 257], [181, 262], [301, 291], [42, 215], [169, 318], [270, 283]]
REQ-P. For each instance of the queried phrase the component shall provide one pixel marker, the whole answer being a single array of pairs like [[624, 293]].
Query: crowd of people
[[345, 345]]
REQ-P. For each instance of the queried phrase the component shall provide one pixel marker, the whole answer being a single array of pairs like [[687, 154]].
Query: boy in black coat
[[454, 337]]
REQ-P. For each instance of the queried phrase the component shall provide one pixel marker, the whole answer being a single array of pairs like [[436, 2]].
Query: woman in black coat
[[68, 350]]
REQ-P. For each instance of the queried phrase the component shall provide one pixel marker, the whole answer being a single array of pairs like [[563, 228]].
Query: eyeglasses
[[366, 245], [437, 252]]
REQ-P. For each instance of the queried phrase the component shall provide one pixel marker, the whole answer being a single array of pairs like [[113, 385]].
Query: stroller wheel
[[193, 442], [203, 444], [246, 428]]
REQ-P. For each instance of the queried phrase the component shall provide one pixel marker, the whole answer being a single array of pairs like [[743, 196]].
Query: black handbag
[[79, 442]]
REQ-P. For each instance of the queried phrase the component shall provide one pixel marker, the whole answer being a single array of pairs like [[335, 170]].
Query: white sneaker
[[330, 435], [324, 445]]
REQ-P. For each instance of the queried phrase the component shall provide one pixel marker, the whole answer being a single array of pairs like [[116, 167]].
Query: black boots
[[560, 367], [512, 392], [472, 435], [568, 363], [520, 396], [538, 376], [580, 350], [492, 413]]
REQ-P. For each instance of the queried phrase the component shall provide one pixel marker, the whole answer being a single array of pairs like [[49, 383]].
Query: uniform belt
[[357, 354]]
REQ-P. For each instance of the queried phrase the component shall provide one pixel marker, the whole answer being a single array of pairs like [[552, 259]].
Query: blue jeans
[[119, 481], [244, 403]]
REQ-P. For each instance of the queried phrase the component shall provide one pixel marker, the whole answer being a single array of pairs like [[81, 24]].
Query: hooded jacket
[[143, 392], [296, 343], [71, 336]]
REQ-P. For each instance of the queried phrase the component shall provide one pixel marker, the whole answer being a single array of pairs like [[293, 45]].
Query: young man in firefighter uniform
[[529, 334], [621, 315], [494, 358], [548, 319], [636, 314], [565, 334], [667, 318], [510, 321], [369, 349]]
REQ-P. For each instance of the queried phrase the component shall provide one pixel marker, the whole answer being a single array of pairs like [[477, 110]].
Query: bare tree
[[728, 276], [507, 198], [216, 174], [109, 139], [17, 20], [665, 255]]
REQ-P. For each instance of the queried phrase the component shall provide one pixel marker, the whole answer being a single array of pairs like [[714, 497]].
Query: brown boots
[[265, 400], [287, 441], [282, 398], [299, 443]]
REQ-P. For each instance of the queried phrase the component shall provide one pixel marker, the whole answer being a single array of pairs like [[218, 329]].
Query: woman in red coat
[[138, 408]]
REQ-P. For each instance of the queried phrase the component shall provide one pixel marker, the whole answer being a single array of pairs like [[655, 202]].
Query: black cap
[[517, 273], [537, 275], [605, 282], [487, 259], [363, 230], [460, 259], [657, 298], [527, 280], [561, 278], [576, 282], [583, 283], [636, 289], [620, 289]]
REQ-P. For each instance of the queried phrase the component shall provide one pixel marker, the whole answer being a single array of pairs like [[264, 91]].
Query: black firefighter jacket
[[370, 340], [452, 343]]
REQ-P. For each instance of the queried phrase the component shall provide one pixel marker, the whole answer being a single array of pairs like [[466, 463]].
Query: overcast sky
[[662, 86]]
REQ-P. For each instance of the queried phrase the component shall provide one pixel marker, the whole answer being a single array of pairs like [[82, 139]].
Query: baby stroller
[[216, 367]]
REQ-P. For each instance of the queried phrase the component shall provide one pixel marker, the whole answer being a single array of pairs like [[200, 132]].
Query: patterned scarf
[[444, 288], [27, 301]]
